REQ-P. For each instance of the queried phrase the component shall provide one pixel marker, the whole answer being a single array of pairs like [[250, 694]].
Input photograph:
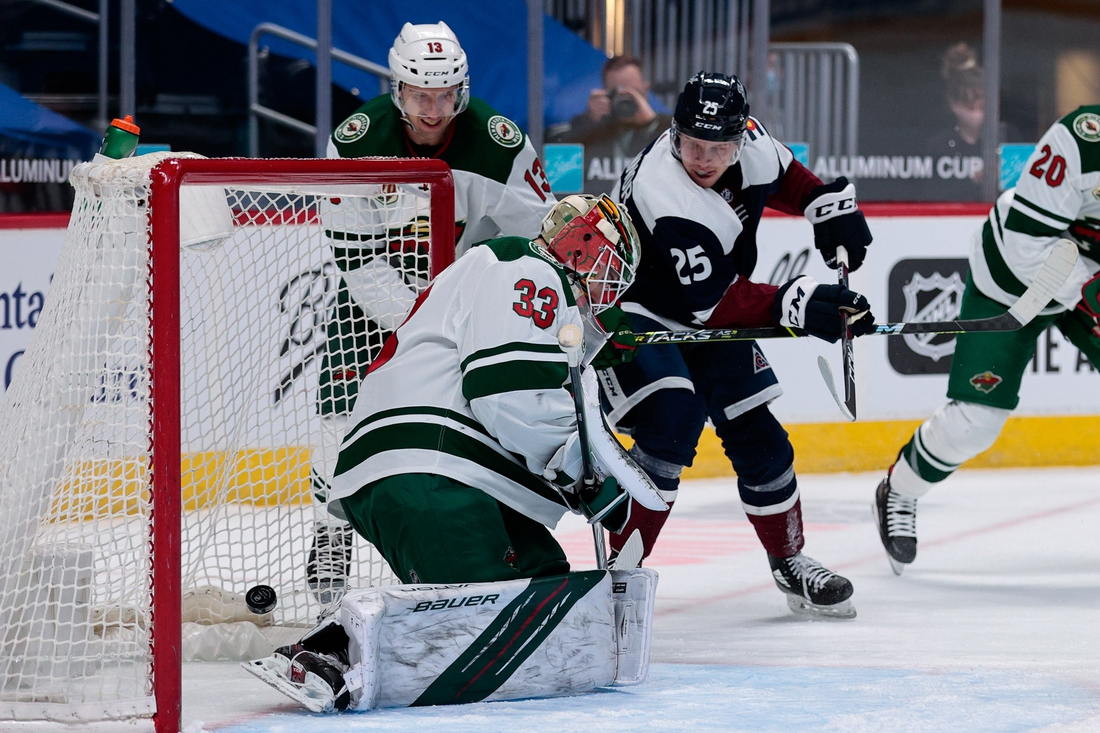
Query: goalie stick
[[571, 340], [1055, 272]]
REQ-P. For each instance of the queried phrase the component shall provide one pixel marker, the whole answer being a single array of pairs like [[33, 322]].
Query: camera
[[623, 104]]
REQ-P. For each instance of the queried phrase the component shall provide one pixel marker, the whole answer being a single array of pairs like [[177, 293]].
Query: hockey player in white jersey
[[1057, 196], [696, 195], [500, 190], [463, 448]]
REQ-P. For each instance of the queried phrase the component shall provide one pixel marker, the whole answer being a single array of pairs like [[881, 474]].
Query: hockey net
[[202, 342]]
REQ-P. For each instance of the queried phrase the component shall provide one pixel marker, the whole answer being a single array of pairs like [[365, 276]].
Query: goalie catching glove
[[816, 309], [838, 222]]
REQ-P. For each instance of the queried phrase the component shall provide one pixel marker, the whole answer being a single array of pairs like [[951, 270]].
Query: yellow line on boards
[[280, 476], [873, 446]]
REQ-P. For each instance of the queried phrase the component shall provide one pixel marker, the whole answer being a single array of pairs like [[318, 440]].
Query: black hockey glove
[[803, 303], [609, 505], [620, 348], [831, 208]]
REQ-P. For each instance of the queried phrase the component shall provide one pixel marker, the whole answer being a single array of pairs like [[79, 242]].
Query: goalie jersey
[[1058, 195], [471, 385]]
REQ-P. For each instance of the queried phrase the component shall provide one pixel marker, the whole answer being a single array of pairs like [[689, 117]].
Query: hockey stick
[[848, 405], [571, 341], [1046, 284]]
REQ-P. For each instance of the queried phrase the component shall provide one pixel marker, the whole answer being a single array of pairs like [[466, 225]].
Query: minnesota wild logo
[[353, 128], [985, 382], [504, 131], [1087, 126]]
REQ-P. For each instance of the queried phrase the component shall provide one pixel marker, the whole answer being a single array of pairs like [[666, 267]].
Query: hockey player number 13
[[542, 186], [539, 307]]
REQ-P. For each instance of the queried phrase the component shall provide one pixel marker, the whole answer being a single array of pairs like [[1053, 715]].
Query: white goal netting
[[287, 292]]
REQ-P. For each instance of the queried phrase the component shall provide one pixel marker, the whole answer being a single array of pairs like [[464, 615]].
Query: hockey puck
[[260, 599]]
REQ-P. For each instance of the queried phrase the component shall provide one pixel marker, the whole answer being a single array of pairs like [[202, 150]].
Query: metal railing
[[100, 20], [257, 110], [804, 92], [813, 91]]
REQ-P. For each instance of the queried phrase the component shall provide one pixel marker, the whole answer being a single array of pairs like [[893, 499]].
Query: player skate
[[329, 560], [896, 516], [811, 588]]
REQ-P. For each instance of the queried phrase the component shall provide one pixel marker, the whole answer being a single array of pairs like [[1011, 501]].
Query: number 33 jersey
[[1057, 195], [471, 385]]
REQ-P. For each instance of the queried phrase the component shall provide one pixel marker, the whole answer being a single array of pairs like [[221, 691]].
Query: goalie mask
[[594, 239], [428, 56]]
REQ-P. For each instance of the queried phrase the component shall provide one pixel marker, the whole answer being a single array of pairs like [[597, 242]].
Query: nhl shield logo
[[353, 128], [944, 306], [985, 382], [504, 131]]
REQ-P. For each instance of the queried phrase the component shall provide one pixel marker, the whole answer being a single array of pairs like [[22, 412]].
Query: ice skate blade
[[274, 669], [838, 611]]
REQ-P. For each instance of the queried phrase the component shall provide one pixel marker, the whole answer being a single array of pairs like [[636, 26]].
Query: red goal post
[[68, 478], [166, 180]]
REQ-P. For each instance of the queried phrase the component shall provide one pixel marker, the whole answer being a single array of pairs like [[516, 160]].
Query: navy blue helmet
[[711, 107]]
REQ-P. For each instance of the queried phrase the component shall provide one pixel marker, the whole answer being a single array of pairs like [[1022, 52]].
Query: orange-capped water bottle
[[121, 139]]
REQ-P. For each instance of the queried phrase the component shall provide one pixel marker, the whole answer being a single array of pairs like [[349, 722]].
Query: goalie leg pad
[[432, 645], [632, 597]]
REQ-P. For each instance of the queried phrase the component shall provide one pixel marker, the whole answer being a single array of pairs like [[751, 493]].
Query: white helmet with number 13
[[429, 56]]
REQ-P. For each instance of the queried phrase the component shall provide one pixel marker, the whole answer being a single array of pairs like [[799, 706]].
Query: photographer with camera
[[617, 125]]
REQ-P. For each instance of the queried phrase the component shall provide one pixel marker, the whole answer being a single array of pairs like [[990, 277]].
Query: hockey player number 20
[[1056, 173], [539, 307]]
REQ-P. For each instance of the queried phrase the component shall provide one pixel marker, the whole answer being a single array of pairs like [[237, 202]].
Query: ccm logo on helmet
[[436, 73]]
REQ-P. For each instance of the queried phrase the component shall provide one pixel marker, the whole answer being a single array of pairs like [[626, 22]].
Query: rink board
[[1057, 422]]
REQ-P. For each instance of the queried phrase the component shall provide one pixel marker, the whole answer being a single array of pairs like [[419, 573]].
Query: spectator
[[617, 125], [957, 150]]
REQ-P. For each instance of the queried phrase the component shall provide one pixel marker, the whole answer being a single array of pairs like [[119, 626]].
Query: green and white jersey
[[500, 186], [1058, 195], [471, 385]]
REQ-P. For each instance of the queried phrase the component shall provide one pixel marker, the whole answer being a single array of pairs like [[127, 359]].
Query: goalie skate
[[811, 588], [314, 681]]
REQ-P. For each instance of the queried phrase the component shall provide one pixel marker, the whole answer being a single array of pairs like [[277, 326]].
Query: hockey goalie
[[462, 449]]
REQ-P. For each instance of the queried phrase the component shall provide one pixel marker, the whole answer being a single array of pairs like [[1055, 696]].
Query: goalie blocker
[[411, 645]]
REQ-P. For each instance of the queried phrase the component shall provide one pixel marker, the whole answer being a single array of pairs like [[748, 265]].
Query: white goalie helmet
[[429, 56]]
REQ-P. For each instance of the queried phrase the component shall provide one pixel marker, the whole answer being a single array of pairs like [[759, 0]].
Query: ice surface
[[995, 627]]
